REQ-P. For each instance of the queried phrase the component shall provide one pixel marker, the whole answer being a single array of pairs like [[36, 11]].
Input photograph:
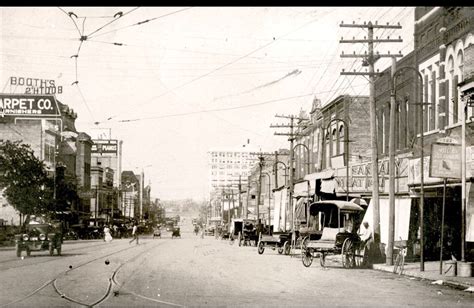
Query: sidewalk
[[431, 272]]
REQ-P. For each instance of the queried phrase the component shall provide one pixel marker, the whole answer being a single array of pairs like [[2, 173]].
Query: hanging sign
[[445, 161]]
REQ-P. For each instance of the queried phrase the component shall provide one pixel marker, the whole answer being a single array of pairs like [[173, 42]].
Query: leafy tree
[[24, 179]]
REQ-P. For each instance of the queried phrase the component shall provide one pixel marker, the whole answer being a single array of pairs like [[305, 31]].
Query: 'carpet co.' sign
[[28, 105]]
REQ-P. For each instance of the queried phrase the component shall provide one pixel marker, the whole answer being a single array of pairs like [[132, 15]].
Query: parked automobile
[[37, 237]]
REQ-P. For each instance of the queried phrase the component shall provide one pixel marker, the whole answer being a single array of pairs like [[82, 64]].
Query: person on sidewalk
[[107, 235], [134, 233]]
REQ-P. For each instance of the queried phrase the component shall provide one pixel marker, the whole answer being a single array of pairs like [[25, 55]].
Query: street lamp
[[346, 141], [275, 166], [269, 199], [307, 149], [422, 193]]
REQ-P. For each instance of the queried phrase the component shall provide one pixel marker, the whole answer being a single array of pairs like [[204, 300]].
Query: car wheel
[[51, 249], [18, 250]]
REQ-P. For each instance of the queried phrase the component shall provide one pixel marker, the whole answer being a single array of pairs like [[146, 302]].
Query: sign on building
[[445, 161], [28, 105], [105, 146]]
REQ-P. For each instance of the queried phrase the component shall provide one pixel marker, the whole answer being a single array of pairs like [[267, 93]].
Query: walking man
[[134, 233]]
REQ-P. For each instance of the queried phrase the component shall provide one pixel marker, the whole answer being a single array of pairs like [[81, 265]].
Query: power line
[[217, 109], [142, 22], [222, 66]]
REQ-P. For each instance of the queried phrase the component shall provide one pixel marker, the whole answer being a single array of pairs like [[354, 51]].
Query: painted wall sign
[[35, 85], [28, 105]]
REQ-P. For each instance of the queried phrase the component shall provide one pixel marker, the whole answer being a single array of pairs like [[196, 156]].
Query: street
[[191, 271]]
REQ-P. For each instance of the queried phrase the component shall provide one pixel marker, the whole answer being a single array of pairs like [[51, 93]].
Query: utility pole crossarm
[[387, 40], [362, 73], [288, 126], [370, 25], [290, 134], [290, 117], [378, 55]]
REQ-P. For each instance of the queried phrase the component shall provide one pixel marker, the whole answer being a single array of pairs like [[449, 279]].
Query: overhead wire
[[112, 21], [142, 22], [224, 66]]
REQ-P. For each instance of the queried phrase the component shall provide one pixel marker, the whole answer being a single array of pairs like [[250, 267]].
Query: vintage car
[[39, 236], [157, 232]]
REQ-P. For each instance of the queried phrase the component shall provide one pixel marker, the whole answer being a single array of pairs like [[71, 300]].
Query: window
[[431, 107], [328, 150], [334, 142], [341, 139]]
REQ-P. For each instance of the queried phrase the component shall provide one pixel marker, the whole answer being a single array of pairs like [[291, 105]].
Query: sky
[[174, 82]]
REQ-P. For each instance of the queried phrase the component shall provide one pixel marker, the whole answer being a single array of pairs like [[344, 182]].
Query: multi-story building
[[442, 39], [52, 136], [106, 153], [227, 168], [130, 194]]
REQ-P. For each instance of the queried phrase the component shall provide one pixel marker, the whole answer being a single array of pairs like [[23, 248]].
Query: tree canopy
[[24, 179]]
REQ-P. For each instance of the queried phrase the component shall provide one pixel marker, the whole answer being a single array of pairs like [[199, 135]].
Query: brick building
[[442, 36]]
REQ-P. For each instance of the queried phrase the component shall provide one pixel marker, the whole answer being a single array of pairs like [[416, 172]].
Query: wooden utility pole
[[369, 60], [291, 137]]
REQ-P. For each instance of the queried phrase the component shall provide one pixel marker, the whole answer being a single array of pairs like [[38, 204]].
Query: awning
[[326, 174], [402, 218], [300, 210], [328, 186], [301, 190]]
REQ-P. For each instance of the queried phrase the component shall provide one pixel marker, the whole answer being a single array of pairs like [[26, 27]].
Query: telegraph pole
[[291, 137], [369, 60], [240, 198]]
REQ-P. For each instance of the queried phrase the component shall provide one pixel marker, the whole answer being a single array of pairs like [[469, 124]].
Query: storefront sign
[[360, 176], [102, 146], [445, 161], [28, 105], [414, 173]]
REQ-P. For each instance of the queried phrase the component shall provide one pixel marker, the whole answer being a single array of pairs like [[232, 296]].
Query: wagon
[[339, 221], [249, 233], [278, 240]]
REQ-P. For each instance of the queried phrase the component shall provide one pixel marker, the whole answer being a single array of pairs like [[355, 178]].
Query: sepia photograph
[[236, 156]]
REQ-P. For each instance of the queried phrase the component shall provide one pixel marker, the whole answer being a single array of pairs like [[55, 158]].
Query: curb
[[453, 284]]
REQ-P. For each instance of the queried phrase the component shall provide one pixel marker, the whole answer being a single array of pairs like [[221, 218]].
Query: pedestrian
[[107, 236], [134, 233]]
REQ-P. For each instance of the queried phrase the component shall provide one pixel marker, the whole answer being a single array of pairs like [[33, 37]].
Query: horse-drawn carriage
[[280, 240], [339, 221], [243, 231]]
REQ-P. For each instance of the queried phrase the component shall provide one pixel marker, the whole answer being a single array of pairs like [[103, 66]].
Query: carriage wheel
[[307, 257], [347, 253], [322, 259], [304, 242], [280, 250], [287, 248], [360, 257], [261, 248]]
